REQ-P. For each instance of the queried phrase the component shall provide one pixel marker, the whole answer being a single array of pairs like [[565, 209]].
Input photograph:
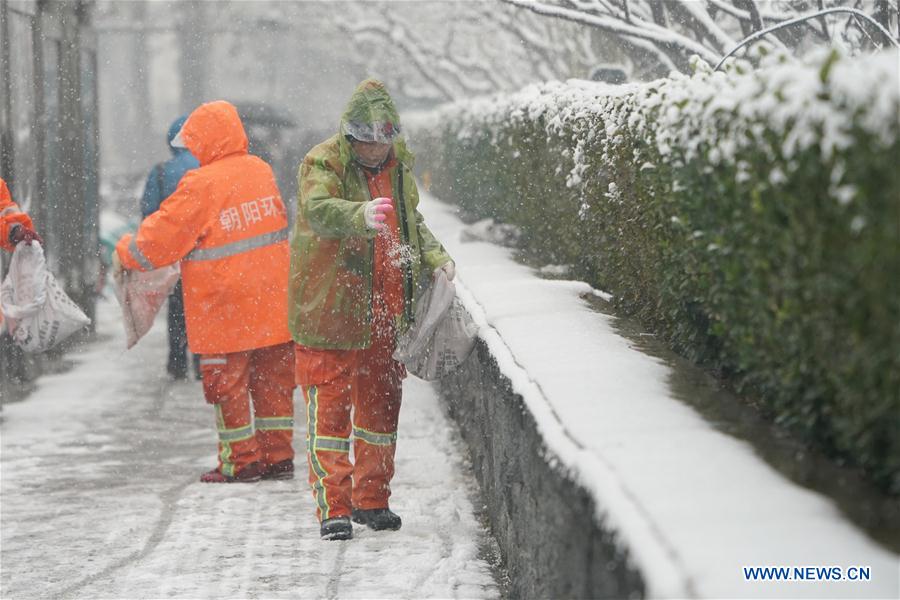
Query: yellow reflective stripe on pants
[[226, 437], [236, 435], [376, 439], [312, 409], [224, 447], [274, 423], [334, 444]]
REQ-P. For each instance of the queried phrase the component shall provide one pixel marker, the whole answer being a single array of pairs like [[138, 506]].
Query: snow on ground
[[693, 505], [101, 498]]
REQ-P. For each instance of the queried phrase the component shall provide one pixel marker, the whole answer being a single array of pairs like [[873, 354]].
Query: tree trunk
[[71, 246], [883, 13], [192, 39], [755, 20], [139, 67], [659, 13]]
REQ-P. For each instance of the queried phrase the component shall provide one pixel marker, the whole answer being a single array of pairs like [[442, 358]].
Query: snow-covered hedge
[[752, 217]]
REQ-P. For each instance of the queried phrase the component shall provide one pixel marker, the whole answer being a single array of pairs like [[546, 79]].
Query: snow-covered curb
[[589, 470], [691, 505]]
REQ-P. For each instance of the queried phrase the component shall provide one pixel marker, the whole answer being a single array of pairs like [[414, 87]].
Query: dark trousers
[[177, 365]]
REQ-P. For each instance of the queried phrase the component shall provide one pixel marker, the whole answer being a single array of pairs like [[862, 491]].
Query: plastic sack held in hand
[[140, 295], [40, 315], [442, 336]]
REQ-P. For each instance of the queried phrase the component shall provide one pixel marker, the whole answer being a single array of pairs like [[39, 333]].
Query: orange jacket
[[9, 215], [387, 275], [227, 225]]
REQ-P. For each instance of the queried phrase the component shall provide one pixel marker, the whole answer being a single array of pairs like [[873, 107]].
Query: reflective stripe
[[376, 439], [213, 361], [333, 444], [312, 411], [259, 241], [225, 453], [236, 435], [274, 423], [139, 256], [10, 210]]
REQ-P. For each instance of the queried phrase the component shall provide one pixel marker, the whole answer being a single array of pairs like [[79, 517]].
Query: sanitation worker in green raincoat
[[359, 250]]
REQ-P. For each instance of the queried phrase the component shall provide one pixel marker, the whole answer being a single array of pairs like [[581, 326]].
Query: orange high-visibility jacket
[[9, 215], [227, 225]]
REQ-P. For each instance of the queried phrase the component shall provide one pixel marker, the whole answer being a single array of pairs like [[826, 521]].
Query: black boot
[[338, 528], [280, 470], [377, 518]]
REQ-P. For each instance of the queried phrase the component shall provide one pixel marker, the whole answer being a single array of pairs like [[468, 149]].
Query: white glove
[[376, 211], [449, 270]]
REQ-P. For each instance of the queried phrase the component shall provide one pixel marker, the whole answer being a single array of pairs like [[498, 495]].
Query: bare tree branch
[[694, 15], [663, 38], [378, 34]]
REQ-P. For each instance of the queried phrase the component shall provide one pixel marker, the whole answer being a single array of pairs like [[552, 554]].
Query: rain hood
[[174, 130], [214, 131], [370, 104]]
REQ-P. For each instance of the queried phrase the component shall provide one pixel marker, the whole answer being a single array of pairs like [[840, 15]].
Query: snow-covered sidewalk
[[100, 498], [692, 505]]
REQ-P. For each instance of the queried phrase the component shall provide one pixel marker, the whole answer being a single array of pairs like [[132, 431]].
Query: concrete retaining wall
[[544, 522]]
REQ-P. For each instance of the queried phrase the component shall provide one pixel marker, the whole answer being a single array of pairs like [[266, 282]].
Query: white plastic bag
[[39, 312], [140, 295], [442, 336]]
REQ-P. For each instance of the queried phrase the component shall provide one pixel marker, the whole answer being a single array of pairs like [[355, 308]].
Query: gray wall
[[552, 545]]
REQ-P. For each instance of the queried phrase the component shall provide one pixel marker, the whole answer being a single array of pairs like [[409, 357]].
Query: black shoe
[[377, 518], [280, 470], [338, 528]]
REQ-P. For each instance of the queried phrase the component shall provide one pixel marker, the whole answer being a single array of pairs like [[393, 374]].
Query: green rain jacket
[[332, 251]]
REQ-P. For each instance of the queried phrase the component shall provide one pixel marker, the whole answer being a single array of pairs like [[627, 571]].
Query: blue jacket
[[167, 175]]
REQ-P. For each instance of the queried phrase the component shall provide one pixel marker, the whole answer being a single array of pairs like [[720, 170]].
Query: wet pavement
[[101, 498]]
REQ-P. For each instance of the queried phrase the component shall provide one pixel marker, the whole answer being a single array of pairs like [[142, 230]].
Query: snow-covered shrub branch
[[751, 217]]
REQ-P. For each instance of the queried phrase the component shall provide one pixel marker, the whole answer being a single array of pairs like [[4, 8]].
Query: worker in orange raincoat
[[227, 225], [359, 248], [15, 226]]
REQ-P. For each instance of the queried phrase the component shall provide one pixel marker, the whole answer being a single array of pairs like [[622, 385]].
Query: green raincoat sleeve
[[432, 252], [321, 198]]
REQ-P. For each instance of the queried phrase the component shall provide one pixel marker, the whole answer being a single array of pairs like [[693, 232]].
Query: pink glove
[[376, 211]]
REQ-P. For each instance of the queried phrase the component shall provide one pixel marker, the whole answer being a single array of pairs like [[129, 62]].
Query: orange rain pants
[[253, 395], [368, 381]]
